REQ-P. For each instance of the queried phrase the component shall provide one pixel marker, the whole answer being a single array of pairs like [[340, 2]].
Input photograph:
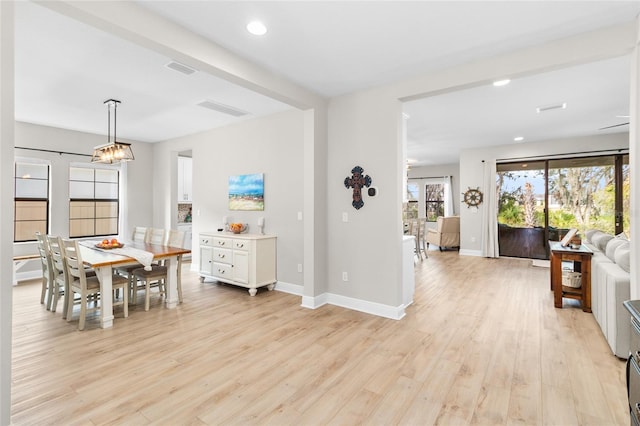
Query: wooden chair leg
[[83, 311], [147, 292], [43, 293], [125, 300]]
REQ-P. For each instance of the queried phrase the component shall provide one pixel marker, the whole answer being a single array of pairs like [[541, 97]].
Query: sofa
[[610, 286]]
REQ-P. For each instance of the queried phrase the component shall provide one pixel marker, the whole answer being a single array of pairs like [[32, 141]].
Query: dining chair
[[87, 286], [158, 273], [139, 235], [60, 285], [156, 236], [47, 270], [415, 226]]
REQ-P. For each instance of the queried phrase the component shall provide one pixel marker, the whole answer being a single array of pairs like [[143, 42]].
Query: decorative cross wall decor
[[357, 181]]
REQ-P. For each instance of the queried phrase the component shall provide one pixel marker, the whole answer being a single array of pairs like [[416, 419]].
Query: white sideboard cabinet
[[246, 260]]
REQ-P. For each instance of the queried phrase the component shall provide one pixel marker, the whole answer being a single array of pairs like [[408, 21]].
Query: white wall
[[137, 199], [271, 145], [471, 172], [364, 130]]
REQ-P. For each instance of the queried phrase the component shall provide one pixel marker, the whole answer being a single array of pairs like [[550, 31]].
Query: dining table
[[103, 261]]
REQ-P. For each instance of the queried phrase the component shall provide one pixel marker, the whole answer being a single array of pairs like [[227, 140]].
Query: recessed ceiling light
[[499, 83], [545, 108], [256, 28], [518, 139]]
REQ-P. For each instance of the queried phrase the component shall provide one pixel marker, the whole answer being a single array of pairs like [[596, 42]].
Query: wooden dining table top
[[97, 258]]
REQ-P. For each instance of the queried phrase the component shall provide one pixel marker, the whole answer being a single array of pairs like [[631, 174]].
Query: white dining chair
[[139, 235], [60, 282], [86, 286], [157, 276], [156, 236], [47, 270]]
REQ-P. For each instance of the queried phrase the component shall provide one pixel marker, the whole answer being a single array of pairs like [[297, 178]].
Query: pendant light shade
[[112, 151]]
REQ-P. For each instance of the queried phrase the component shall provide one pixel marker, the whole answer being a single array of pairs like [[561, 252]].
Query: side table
[[581, 258]]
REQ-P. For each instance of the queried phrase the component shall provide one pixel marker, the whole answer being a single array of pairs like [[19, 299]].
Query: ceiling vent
[[551, 107], [177, 66], [225, 109]]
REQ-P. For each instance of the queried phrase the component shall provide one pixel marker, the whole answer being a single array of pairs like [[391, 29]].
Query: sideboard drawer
[[222, 255], [222, 270], [222, 242], [241, 244], [206, 241]]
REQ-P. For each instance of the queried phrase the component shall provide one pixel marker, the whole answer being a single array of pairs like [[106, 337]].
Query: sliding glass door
[[521, 213], [542, 200]]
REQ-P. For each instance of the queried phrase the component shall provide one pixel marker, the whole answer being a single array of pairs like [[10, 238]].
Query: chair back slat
[[73, 258], [45, 257], [156, 236], [57, 257], [176, 238], [139, 233]]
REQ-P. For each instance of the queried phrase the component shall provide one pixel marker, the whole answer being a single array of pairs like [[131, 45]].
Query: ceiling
[[66, 69]]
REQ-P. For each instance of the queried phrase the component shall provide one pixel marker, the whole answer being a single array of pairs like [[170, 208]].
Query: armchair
[[446, 234]]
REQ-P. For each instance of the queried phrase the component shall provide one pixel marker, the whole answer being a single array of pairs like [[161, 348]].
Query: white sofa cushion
[[600, 240], [589, 233], [618, 324], [622, 257], [612, 246]]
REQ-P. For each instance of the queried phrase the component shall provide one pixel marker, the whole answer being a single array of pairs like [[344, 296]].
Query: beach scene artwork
[[246, 192]]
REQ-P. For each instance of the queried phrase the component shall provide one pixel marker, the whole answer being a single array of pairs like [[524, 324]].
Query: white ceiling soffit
[[337, 47], [596, 94], [66, 69]]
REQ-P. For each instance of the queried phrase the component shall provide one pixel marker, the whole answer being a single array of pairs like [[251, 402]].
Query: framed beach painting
[[246, 192]]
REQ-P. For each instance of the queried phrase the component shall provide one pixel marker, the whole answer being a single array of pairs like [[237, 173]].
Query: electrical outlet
[[473, 239], [299, 215], [299, 267], [345, 217], [345, 276]]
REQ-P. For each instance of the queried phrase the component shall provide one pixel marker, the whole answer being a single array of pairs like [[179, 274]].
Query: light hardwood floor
[[482, 344]]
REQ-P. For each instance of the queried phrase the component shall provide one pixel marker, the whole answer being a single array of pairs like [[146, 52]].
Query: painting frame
[[246, 192]]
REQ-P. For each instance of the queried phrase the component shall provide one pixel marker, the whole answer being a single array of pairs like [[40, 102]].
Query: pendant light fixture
[[112, 151]]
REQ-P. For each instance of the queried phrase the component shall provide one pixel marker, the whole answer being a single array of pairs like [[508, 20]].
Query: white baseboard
[[28, 275], [295, 289], [464, 252], [373, 308]]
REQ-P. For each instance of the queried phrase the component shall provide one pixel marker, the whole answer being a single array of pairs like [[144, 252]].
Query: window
[[413, 189], [31, 202], [434, 201], [93, 202]]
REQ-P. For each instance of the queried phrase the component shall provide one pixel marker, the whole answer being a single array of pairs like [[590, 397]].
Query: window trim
[[95, 200], [47, 200]]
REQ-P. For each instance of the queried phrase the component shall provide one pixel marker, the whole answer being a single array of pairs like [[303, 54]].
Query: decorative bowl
[[109, 246], [237, 228]]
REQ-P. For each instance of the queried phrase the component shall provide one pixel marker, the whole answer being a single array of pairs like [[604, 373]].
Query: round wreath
[[472, 197]]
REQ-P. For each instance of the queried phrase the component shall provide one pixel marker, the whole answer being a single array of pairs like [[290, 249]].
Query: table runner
[[143, 257]]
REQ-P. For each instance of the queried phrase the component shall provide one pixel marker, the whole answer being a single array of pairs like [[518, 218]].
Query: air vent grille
[[182, 68], [225, 109]]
